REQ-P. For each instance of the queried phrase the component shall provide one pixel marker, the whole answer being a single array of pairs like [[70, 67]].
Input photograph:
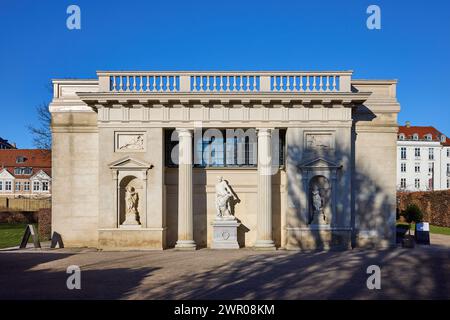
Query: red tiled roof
[[409, 131], [421, 131], [37, 159]]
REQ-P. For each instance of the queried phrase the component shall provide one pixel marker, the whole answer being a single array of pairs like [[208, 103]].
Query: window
[[35, 185], [1, 185], [401, 136], [417, 152], [26, 186], [417, 183], [403, 183], [448, 152], [448, 168], [223, 148], [20, 159], [8, 186], [448, 183], [45, 186], [430, 154], [430, 168], [17, 188], [403, 167], [415, 136], [403, 153], [23, 170], [417, 168]]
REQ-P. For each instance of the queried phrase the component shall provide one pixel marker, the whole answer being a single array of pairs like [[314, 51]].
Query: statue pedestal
[[225, 234]]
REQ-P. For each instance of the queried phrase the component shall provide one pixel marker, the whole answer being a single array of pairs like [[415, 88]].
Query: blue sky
[[412, 46]]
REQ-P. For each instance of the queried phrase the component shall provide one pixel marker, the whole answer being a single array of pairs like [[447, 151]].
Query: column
[[264, 201], [185, 192]]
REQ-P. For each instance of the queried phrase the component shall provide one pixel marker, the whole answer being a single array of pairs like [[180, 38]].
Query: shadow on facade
[[366, 207]]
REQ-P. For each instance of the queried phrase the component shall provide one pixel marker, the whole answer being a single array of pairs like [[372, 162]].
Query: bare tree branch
[[42, 136]]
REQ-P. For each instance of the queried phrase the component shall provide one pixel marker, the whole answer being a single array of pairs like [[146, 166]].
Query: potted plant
[[412, 213]]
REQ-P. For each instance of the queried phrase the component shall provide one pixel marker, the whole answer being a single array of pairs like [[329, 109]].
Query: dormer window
[[20, 159], [428, 137], [443, 138], [415, 136], [401, 136]]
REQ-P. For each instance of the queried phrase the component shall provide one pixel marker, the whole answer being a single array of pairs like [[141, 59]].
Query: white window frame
[[417, 152], [17, 184], [8, 186], [430, 153], [26, 186], [38, 184], [403, 153], [403, 167], [403, 183], [417, 167], [417, 183], [1, 185], [47, 184]]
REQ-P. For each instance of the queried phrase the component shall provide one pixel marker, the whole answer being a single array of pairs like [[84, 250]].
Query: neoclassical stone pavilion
[[153, 160]]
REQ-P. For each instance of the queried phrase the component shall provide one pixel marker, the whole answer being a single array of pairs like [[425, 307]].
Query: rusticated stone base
[[131, 239]]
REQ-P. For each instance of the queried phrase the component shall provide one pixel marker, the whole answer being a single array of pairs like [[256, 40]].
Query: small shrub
[[412, 214]]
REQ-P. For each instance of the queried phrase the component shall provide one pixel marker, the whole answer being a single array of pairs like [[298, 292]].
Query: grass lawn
[[433, 229], [11, 234]]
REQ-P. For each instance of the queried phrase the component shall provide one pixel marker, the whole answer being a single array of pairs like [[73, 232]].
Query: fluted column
[[264, 214], [185, 192]]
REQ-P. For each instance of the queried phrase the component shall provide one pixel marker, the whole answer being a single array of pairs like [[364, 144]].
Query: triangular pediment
[[319, 163], [129, 163], [4, 174], [41, 175]]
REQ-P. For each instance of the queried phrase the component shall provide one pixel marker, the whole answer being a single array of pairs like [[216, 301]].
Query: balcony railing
[[223, 82]]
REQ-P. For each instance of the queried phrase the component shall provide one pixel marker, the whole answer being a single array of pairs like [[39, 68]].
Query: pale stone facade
[[338, 140]]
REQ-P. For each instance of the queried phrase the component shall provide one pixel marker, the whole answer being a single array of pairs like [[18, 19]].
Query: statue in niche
[[224, 195], [131, 212], [318, 201], [135, 143]]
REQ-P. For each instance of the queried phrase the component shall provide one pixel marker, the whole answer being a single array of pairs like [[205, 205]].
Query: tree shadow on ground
[[405, 274], [25, 276]]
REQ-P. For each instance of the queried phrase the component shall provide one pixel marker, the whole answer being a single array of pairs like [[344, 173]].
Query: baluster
[[334, 88], [208, 83], [114, 83], [307, 88], [314, 84], [320, 83], [147, 83], [301, 83], [214, 83], [120, 84], [228, 86], [327, 85]]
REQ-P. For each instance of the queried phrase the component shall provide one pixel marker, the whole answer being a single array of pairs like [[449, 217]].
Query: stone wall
[[435, 205]]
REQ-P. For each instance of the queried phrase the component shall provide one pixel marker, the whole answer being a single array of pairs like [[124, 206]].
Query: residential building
[[25, 173], [4, 144], [423, 159]]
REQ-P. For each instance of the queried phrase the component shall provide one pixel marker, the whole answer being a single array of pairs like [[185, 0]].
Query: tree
[[42, 135], [412, 214]]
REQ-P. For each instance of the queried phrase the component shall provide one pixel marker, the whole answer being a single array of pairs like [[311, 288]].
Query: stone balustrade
[[223, 82]]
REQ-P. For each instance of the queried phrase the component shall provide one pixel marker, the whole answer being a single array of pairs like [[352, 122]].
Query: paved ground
[[420, 273]]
